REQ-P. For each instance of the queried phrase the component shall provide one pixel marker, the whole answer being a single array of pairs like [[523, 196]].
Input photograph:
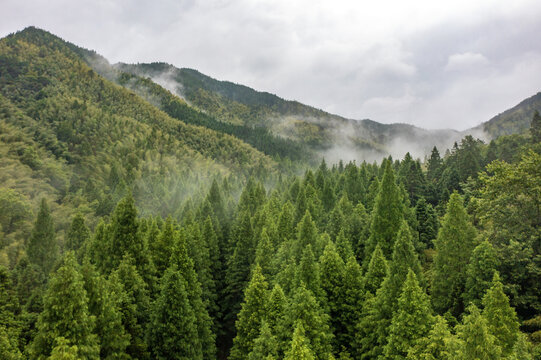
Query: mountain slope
[[330, 135], [516, 120], [70, 135]]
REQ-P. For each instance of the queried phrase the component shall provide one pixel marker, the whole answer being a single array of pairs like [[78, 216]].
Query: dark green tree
[[66, 314], [454, 246], [42, 248], [480, 273], [173, 331], [535, 128], [436, 345], [377, 271], [265, 346], [475, 338], [78, 236]]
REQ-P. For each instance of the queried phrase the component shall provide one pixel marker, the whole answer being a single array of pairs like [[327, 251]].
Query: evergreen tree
[[501, 317], [305, 309], [343, 246], [387, 214], [300, 346], [479, 273], [454, 246], [173, 331], [104, 305], [66, 314], [307, 272], [427, 223], [476, 341], [535, 128], [434, 346], [42, 247], [411, 321], [377, 271], [250, 316], [353, 298], [163, 246], [63, 351], [275, 310], [263, 253], [77, 236], [332, 282], [134, 305], [265, 346], [306, 234]]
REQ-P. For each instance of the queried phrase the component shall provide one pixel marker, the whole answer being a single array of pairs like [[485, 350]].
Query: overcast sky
[[433, 64]]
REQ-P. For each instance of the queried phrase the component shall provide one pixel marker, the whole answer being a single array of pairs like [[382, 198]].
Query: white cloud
[[466, 61]]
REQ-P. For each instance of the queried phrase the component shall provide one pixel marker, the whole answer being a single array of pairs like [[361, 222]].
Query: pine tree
[[307, 272], [454, 246], [163, 246], [476, 341], [63, 351], [78, 236], [286, 227], [332, 275], [479, 273], [173, 331], [250, 316], [387, 214], [501, 317], [66, 314], [343, 246], [42, 247], [427, 223], [377, 271], [104, 305], [203, 322], [134, 305], [304, 308], [411, 321], [535, 128], [306, 234], [353, 298], [264, 253], [265, 346], [434, 346], [300, 346]]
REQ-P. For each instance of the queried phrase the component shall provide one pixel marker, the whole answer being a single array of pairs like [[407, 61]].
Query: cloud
[[392, 61]]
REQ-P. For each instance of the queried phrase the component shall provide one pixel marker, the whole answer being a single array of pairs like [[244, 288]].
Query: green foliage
[[173, 331], [475, 338], [66, 314], [454, 246], [387, 214], [42, 247], [535, 128], [250, 316], [300, 346], [501, 317], [479, 273], [77, 236], [377, 271], [265, 346], [411, 321]]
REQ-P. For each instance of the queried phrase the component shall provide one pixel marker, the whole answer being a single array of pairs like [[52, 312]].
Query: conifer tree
[[304, 308], [66, 314], [203, 322], [475, 339], [63, 351], [9, 326], [42, 247], [276, 310], [377, 271], [411, 321], [501, 317], [343, 246], [454, 246], [535, 128], [134, 304], [308, 273], [479, 273], [332, 278], [250, 316], [427, 223], [104, 305], [286, 227], [387, 214], [264, 252], [265, 346], [300, 346], [353, 298], [173, 330], [77, 236], [163, 246], [436, 345], [306, 234]]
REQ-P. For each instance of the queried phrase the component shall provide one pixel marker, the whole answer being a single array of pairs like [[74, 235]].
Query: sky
[[433, 64]]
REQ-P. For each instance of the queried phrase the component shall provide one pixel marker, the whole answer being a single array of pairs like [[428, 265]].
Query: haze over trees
[[133, 231]]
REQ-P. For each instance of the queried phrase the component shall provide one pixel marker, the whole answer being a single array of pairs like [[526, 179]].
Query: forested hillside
[[135, 226]]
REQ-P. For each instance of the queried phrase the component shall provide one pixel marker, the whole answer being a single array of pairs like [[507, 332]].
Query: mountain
[[329, 135], [71, 136], [516, 120]]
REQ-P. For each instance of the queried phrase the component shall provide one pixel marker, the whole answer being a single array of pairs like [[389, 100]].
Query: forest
[[135, 231]]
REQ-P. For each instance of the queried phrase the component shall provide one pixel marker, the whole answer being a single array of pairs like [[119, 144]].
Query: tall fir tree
[[411, 321], [173, 331], [475, 338], [535, 128], [300, 346], [78, 236], [501, 317], [434, 346], [387, 214], [66, 314], [480, 272], [353, 298], [454, 246], [265, 346], [42, 248], [377, 271]]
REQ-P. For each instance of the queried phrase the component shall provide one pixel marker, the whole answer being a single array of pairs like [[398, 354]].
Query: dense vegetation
[[126, 233]]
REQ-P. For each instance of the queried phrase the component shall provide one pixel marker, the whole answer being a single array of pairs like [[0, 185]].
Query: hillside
[[513, 121], [320, 131], [70, 135]]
